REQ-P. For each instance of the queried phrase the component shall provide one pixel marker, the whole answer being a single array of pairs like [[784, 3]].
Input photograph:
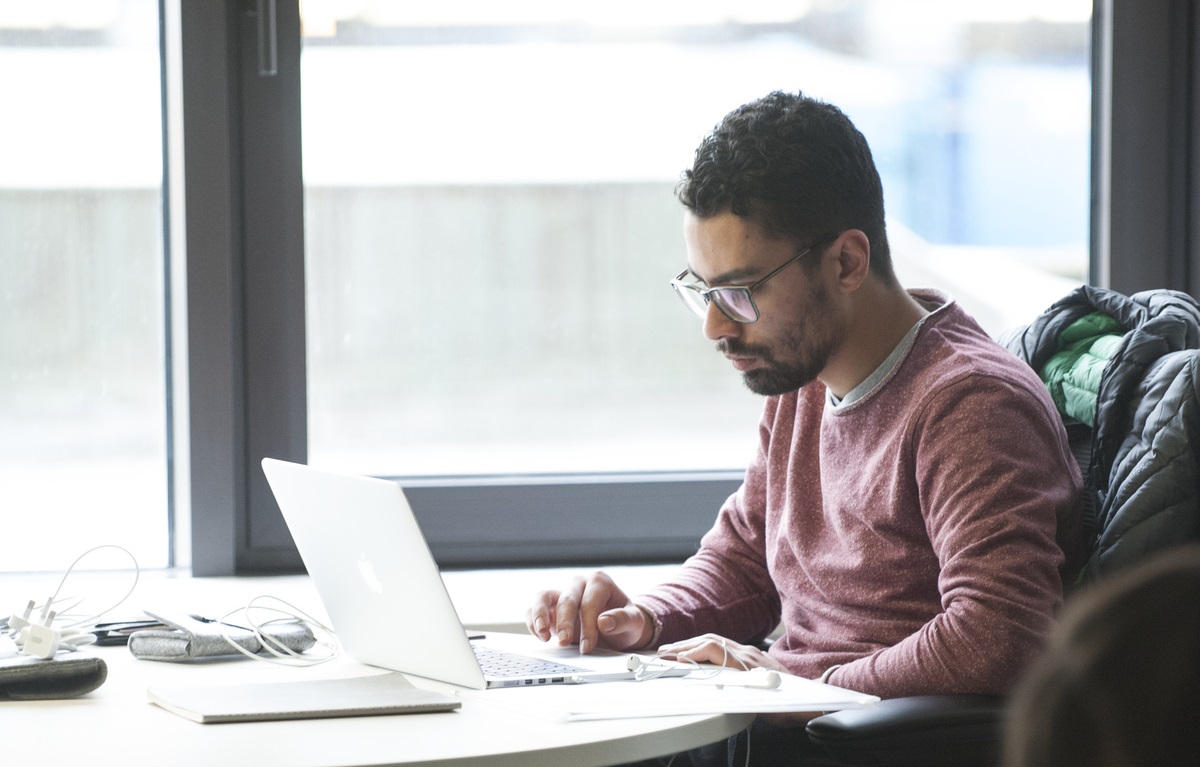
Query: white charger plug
[[39, 640]]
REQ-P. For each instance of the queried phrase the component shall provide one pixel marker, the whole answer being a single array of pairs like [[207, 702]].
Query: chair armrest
[[926, 730]]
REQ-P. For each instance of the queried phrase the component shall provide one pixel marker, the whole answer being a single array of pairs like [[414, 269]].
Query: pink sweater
[[909, 536]]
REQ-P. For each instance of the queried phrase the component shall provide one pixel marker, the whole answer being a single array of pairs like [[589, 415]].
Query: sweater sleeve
[[995, 482], [726, 588]]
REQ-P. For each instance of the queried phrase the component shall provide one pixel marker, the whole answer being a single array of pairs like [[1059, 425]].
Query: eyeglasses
[[734, 301]]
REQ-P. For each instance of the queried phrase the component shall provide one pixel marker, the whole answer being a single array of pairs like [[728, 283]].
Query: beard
[[773, 377], [808, 344]]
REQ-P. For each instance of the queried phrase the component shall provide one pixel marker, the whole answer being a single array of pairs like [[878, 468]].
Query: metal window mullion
[[245, 380]]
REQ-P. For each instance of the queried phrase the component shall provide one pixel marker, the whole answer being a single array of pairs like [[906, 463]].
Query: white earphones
[[770, 680], [643, 669], [757, 679]]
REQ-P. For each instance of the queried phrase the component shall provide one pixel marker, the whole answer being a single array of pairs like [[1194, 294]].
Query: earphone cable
[[283, 655], [137, 571]]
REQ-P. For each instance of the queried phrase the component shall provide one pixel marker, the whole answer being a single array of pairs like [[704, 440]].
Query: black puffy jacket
[[1140, 462]]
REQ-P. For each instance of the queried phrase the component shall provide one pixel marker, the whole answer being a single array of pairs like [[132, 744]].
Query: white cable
[[40, 637], [137, 571], [283, 655]]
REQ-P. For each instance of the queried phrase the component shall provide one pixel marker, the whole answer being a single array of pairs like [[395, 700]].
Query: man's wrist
[[653, 623]]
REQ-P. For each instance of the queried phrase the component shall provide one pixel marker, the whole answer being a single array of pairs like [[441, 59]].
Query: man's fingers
[[566, 612], [621, 621], [698, 649], [597, 597], [609, 622], [718, 650], [573, 615], [623, 628], [540, 617]]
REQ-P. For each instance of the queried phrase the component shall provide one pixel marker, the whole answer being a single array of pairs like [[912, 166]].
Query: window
[[490, 219], [83, 343], [83, 427]]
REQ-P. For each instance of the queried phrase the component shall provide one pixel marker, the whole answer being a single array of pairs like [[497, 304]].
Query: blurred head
[[796, 166], [1118, 684]]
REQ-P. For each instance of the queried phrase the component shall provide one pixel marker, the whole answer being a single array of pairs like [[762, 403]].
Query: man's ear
[[853, 250]]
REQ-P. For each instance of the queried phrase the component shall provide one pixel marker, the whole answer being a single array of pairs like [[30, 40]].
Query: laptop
[[384, 594]]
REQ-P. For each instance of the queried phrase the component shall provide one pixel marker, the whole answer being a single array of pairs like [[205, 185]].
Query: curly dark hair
[[796, 165]]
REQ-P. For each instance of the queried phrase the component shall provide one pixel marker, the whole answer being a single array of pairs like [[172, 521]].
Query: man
[[906, 516]]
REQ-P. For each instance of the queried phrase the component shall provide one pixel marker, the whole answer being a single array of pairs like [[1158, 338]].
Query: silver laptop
[[381, 587]]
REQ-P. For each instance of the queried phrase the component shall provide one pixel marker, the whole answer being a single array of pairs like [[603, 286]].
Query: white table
[[117, 724]]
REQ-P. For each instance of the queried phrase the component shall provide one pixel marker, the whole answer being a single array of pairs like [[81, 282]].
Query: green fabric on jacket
[[1073, 373]]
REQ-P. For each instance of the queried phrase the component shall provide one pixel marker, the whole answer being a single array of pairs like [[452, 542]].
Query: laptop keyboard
[[497, 663]]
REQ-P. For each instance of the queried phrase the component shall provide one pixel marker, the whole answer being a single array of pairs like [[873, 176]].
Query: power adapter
[[40, 640]]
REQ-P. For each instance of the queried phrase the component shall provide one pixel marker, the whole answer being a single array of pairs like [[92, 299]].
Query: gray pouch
[[192, 637], [24, 677]]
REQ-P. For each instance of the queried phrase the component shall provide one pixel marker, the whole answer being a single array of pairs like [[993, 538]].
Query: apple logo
[[367, 571]]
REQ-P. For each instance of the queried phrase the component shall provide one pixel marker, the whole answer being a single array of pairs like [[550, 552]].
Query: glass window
[[491, 226], [82, 392]]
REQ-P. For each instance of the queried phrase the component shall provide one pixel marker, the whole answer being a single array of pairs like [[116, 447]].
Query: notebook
[[324, 698], [382, 589]]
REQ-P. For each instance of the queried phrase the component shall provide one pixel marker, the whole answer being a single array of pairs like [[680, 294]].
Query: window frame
[[244, 315], [239, 385], [1146, 88]]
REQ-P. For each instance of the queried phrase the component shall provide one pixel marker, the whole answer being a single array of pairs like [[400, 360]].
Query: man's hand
[[592, 612], [718, 650]]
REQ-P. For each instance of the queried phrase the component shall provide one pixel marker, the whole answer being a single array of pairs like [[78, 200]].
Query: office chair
[[1138, 457]]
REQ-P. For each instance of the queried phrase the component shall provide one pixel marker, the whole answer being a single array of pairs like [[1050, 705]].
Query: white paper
[[673, 697]]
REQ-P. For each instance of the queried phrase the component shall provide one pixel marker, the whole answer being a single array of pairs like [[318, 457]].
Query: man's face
[[797, 331]]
